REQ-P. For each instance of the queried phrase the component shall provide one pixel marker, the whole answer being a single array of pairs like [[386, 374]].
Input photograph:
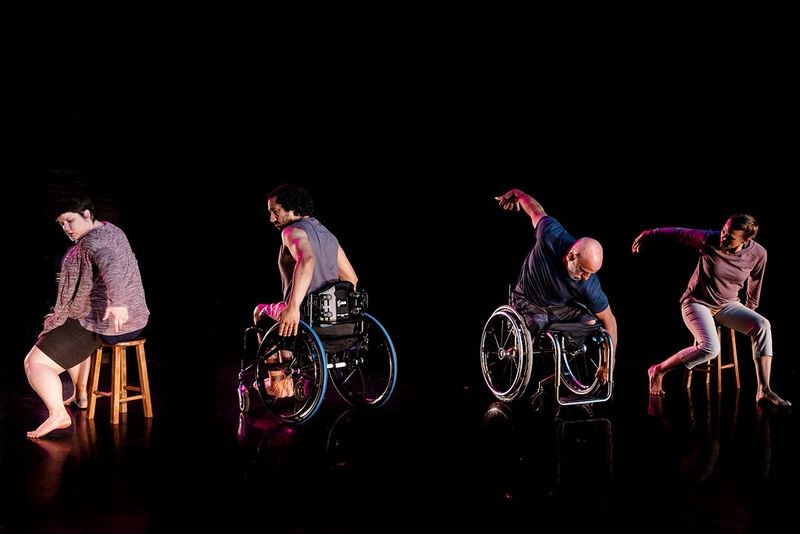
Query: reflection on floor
[[435, 457]]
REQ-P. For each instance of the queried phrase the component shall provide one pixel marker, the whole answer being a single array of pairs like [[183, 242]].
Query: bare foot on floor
[[766, 395], [655, 375], [81, 402], [50, 424]]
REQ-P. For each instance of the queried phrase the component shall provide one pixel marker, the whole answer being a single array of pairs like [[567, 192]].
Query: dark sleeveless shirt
[[325, 247]]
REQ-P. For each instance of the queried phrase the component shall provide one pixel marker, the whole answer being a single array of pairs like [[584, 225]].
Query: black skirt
[[69, 344]]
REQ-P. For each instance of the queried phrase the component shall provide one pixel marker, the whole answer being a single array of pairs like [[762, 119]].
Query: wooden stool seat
[[119, 386], [716, 365]]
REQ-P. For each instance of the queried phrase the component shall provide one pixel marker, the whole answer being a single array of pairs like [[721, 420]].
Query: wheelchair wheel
[[506, 354], [578, 367], [365, 374], [244, 399], [537, 402], [300, 363]]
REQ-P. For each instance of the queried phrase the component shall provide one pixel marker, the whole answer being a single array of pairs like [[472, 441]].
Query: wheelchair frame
[[337, 341], [507, 355]]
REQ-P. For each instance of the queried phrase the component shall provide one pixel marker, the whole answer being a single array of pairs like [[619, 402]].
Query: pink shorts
[[274, 310]]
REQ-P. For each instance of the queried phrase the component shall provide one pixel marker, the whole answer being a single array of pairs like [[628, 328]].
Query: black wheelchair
[[508, 353], [337, 340]]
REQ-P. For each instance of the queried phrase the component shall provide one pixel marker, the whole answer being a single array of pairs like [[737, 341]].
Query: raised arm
[[516, 199]]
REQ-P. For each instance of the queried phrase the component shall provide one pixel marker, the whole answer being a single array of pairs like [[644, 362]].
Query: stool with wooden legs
[[716, 365], [119, 387]]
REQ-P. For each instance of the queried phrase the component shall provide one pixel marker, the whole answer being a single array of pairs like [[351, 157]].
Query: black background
[[403, 151]]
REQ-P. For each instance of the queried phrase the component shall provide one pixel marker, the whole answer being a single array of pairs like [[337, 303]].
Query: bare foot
[[81, 402], [50, 424], [767, 395], [655, 375], [280, 386]]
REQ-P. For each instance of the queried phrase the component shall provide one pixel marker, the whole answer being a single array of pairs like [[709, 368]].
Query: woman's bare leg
[[656, 373], [44, 377], [764, 392], [80, 379]]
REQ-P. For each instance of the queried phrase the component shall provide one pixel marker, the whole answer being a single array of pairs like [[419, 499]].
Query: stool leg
[[735, 356], [123, 381], [719, 360], [94, 380], [117, 359], [144, 382]]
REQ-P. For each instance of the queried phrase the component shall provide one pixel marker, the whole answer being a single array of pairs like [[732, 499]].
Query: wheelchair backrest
[[335, 301]]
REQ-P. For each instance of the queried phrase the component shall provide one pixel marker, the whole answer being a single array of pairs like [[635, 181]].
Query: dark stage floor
[[442, 454]]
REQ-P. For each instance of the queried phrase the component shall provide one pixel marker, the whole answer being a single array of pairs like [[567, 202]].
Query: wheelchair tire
[[506, 354], [365, 374], [302, 360]]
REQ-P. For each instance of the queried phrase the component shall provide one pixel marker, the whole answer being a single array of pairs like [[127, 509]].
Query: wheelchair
[[336, 341], [508, 354]]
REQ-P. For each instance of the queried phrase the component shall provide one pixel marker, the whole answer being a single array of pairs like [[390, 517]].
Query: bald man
[[558, 279]]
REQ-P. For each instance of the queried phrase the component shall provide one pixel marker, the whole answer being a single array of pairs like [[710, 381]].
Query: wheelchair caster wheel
[[536, 403], [244, 399]]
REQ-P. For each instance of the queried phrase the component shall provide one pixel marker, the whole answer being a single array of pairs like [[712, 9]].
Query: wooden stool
[[119, 379], [716, 366]]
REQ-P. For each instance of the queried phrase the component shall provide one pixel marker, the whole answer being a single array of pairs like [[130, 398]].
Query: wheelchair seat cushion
[[574, 333]]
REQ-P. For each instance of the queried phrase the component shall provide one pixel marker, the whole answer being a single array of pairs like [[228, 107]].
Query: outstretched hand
[[637, 243], [509, 201]]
